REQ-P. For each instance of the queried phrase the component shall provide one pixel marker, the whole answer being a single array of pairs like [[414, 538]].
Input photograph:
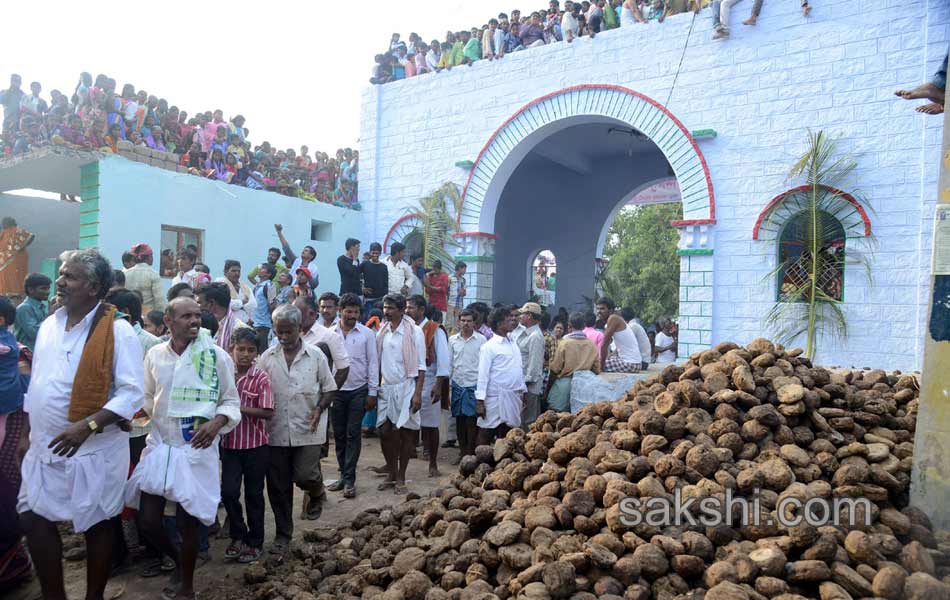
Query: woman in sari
[[14, 259]]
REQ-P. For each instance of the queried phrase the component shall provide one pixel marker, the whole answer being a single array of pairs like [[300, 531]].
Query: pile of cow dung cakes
[[546, 514]]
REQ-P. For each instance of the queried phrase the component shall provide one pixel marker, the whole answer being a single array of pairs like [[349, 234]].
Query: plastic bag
[[587, 388]]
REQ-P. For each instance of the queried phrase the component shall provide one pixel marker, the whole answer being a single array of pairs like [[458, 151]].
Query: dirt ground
[[220, 579]]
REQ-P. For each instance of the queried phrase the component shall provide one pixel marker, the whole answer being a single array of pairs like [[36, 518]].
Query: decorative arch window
[[796, 260], [786, 220]]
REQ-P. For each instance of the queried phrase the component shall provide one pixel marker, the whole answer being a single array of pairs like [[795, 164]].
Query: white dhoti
[[430, 415], [503, 408], [85, 489], [394, 404], [181, 474]]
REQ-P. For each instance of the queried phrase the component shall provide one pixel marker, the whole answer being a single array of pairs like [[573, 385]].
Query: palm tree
[[810, 299], [436, 212]]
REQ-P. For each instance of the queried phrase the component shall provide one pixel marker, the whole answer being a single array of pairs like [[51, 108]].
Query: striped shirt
[[255, 391]]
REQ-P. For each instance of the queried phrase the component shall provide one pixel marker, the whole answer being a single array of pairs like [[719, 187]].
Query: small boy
[[244, 451], [32, 311], [265, 296]]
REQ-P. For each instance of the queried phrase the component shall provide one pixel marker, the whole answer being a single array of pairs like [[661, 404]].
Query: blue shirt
[[12, 384], [29, 316], [261, 314]]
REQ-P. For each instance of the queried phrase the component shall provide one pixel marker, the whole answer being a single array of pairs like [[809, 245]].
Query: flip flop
[[386, 485]]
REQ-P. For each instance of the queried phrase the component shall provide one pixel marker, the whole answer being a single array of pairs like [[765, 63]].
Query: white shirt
[[318, 333], [667, 356], [643, 341], [360, 344], [159, 372], [442, 366], [432, 60], [391, 363], [626, 344], [400, 275], [499, 368], [55, 362], [530, 342], [465, 358], [569, 23], [188, 278]]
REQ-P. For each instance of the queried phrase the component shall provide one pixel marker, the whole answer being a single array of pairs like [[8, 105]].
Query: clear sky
[[294, 69]]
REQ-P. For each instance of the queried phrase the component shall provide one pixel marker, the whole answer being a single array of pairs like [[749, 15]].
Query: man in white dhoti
[[86, 385], [435, 395], [498, 394], [191, 398], [402, 366]]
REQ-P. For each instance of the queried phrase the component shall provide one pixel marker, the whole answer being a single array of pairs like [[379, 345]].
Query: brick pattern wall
[[761, 91]]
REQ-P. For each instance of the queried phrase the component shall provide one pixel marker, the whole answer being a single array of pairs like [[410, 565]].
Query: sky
[[295, 70]]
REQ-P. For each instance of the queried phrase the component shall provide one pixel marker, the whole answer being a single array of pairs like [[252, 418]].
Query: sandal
[[386, 485], [400, 489], [152, 569], [349, 491], [249, 555], [234, 550], [168, 565]]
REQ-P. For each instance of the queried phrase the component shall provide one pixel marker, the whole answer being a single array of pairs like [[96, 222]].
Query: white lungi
[[181, 474], [431, 413], [85, 489], [502, 408], [394, 404]]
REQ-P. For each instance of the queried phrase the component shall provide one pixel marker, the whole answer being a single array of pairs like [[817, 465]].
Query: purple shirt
[[530, 33]]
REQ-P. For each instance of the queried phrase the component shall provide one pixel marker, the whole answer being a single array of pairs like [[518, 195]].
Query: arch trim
[[857, 221], [576, 109]]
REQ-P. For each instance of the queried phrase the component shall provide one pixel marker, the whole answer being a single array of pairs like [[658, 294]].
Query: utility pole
[[930, 481]]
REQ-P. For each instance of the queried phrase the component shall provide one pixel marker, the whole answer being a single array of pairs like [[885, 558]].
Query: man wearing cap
[[530, 340], [143, 279]]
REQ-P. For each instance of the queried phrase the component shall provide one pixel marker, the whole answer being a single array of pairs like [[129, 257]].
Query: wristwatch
[[93, 425]]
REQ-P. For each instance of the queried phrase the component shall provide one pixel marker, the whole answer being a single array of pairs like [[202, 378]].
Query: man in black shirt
[[375, 279], [349, 267]]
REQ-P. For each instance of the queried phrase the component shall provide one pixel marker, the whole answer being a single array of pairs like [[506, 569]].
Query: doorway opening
[[542, 277]]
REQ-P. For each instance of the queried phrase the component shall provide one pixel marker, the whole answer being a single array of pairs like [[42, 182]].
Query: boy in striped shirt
[[244, 451]]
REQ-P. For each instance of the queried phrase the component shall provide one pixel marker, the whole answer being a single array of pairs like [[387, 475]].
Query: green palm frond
[[805, 307], [437, 212]]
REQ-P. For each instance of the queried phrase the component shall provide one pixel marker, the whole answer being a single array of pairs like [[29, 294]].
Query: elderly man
[[530, 340], [191, 398], [87, 379], [498, 393], [402, 366], [143, 279], [303, 389], [315, 334]]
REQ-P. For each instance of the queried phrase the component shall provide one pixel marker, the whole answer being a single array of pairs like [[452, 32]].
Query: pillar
[[695, 251], [477, 250]]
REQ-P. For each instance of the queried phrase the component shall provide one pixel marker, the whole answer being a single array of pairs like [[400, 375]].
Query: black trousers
[[347, 417], [251, 465]]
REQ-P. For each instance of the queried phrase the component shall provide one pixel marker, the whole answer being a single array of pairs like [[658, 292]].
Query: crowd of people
[[133, 412], [506, 34], [97, 117]]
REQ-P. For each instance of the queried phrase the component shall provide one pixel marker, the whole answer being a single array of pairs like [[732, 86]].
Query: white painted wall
[[761, 91], [136, 200]]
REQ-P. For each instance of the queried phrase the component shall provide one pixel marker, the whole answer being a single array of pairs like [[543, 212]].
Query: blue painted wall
[[136, 200]]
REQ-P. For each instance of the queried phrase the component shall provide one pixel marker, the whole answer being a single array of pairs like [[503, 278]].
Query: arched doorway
[[553, 176], [542, 278]]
